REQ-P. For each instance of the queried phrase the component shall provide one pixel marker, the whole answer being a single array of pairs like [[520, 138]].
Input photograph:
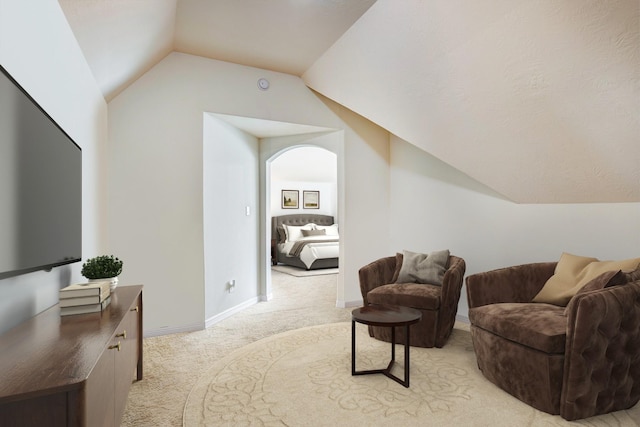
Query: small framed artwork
[[311, 199], [290, 199]]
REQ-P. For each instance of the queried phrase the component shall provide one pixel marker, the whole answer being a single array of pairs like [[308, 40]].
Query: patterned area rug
[[303, 378], [299, 272]]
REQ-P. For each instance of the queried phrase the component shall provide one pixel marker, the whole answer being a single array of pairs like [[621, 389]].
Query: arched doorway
[[317, 167]]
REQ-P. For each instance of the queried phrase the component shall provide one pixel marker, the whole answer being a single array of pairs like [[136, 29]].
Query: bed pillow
[[573, 272], [423, 268], [294, 232], [307, 233], [332, 230]]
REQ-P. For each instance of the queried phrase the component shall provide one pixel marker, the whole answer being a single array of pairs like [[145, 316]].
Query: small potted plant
[[102, 268]]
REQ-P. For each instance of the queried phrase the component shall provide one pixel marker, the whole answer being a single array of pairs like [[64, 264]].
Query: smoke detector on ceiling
[[263, 84]]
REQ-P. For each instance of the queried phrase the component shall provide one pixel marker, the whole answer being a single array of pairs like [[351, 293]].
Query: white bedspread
[[314, 251]]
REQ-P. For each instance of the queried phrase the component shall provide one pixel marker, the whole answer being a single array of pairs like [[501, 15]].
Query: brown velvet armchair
[[578, 361], [438, 304]]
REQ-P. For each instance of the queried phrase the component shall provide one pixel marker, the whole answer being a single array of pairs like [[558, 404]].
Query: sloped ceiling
[[122, 39], [278, 35], [538, 100]]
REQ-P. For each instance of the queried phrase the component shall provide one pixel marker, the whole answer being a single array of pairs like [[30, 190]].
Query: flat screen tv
[[40, 186]]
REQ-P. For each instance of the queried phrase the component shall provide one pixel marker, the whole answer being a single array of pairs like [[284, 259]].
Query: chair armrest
[[451, 288], [602, 352], [376, 274], [519, 283]]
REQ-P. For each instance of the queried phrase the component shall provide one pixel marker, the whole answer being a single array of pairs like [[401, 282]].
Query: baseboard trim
[[462, 319], [230, 312], [173, 330], [200, 326], [348, 304]]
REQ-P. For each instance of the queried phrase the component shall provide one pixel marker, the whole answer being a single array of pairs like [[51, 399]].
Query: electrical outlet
[[231, 285]]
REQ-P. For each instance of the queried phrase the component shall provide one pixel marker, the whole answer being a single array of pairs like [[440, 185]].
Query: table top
[[386, 315]]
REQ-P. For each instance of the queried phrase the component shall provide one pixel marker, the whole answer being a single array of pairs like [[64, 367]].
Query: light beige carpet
[[303, 378], [300, 272], [176, 364]]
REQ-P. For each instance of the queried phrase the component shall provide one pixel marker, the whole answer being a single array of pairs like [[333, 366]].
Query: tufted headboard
[[298, 219]]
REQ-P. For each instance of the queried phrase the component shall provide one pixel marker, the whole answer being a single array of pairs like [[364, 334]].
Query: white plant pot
[[113, 282]]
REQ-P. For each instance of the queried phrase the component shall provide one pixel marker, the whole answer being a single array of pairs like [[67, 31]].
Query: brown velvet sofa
[[578, 361], [438, 304]]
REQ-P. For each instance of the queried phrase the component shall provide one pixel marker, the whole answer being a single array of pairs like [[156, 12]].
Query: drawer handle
[[135, 309], [111, 347], [123, 334]]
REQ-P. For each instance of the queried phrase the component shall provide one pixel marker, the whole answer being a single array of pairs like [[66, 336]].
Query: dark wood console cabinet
[[72, 370]]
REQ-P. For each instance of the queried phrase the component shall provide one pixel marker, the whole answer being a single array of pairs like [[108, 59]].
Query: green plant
[[101, 267]]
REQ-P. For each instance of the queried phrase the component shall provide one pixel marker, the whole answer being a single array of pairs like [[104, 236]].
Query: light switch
[[247, 210]]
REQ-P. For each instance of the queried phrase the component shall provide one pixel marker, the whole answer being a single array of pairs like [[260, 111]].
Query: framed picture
[[290, 199], [311, 199]]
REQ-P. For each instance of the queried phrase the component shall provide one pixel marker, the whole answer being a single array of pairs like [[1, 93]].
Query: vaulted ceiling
[[122, 39], [538, 100]]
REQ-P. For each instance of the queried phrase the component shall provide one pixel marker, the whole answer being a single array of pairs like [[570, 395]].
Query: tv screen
[[40, 186]]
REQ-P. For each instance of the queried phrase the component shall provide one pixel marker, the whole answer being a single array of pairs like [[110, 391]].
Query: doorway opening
[[303, 165], [238, 153], [304, 183]]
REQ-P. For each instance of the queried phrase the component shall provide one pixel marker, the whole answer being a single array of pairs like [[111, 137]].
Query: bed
[[308, 241]]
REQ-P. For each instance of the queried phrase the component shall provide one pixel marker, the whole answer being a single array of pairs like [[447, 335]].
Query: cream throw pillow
[[573, 272]]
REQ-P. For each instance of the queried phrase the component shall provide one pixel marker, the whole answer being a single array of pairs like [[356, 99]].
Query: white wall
[[364, 201], [434, 206], [230, 168], [305, 169], [38, 49], [328, 197], [155, 212]]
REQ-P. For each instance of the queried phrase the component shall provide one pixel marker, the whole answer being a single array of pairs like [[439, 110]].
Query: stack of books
[[84, 298]]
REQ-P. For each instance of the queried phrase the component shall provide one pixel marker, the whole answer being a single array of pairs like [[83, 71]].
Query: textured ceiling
[[538, 100], [122, 39], [278, 35]]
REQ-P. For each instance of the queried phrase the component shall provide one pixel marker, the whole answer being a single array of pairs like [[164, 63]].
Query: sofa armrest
[[376, 274], [519, 283], [451, 288], [602, 352]]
